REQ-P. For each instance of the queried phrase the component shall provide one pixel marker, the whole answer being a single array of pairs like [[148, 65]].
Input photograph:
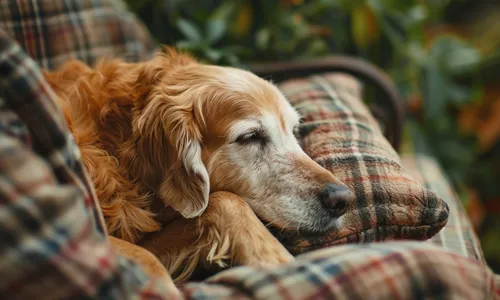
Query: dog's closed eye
[[255, 136]]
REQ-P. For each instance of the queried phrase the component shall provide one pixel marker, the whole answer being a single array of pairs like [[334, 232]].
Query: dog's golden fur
[[121, 127], [162, 141]]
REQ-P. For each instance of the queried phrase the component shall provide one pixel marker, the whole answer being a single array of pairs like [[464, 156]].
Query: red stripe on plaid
[[353, 272], [389, 281], [377, 178]]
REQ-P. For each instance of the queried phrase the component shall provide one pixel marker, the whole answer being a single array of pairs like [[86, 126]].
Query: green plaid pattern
[[53, 31]]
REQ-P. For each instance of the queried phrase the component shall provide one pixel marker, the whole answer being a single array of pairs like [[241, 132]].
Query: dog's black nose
[[336, 198]]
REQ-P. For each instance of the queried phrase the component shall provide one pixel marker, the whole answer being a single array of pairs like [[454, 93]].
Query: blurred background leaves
[[443, 56]]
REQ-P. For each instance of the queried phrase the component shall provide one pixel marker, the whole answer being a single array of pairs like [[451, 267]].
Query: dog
[[188, 160]]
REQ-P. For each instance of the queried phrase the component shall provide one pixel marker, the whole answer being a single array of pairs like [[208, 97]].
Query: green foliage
[[442, 73], [201, 42]]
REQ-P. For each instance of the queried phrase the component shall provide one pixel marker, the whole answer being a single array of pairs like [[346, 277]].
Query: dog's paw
[[268, 253], [273, 258], [250, 245]]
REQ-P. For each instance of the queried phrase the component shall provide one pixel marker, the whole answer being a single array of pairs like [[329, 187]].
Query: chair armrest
[[388, 108]]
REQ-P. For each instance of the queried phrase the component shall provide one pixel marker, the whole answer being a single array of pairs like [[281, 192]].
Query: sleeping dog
[[188, 160]]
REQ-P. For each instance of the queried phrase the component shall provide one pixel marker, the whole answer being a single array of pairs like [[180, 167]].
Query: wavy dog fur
[[182, 154]]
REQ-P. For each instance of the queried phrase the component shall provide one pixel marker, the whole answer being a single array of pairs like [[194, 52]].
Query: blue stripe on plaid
[[394, 270]]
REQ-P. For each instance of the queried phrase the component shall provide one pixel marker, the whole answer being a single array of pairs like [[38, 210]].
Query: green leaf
[[189, 30], [348, 5], [394, 5], [364, 26], [187, 45], [436, 95], [262, 38], [232, 60], [462, 60], [459, 94], [417, 53], [233, 49], [396, 37], [216, 30], [317, 46], [478, 90], [310, 9], [212, 54], [456, 153], [454, 54], [224, 11], [417, 15]]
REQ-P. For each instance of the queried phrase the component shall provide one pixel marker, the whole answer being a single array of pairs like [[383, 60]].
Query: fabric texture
[[392, 270], [54, 31], [53, 234], [340, 134], [458, 235]]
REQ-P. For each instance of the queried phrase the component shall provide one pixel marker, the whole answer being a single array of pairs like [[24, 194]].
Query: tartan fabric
[[340, 134], [392, 270], [53, 31], [458, 234], [51, 229], [52, 233]]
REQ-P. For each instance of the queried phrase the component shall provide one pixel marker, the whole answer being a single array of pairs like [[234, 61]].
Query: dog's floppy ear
[[168, 127], [186, 184]]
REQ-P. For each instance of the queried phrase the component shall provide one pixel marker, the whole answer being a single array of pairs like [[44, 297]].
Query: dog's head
[[208, 128]]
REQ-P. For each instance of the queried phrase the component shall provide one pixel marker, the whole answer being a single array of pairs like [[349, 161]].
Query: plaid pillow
[[458, 235], [53, 31], [340, 134]]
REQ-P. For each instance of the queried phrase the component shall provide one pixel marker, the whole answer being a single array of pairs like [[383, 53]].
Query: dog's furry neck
[[101, 106]]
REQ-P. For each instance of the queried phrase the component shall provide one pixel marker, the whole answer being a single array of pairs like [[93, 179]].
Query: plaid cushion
[[53, 244], [53, 31], [340, 134], [52, 234], [56, 249], [458, 234], [395, 270]]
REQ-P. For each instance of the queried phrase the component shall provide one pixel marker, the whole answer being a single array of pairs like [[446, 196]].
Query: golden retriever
[[184, 156]]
